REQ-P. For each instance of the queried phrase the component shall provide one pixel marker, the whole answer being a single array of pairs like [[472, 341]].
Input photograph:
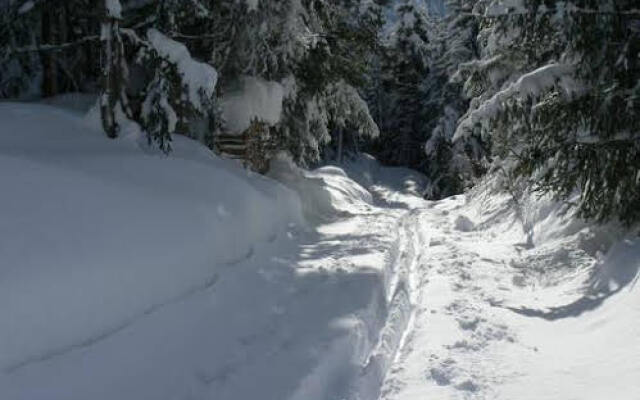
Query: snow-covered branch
[[199, 78], [499, 8], [532, 84]]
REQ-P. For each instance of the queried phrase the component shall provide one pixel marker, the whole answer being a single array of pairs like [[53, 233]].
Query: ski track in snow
[[497, 317], [454, 316]]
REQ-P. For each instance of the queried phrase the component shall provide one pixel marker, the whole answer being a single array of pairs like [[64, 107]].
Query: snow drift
[[128, 274], [94, 233]]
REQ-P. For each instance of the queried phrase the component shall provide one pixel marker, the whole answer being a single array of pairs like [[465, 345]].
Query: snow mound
[[325, 193], [255, 99], [94, 233], [575, 300], [128, 274]]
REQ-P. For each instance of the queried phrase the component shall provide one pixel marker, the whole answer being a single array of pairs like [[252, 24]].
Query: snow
[[252, 5], [130, 274], [502, 7], [325, 192], [114, 8], [26, 7], [199, 78], [530, 295], [256, 98], [91, 225]]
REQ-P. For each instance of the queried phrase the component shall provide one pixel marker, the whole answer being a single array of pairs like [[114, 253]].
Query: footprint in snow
[[440, 377], [467, 324], [464, 224], [443, 374], [465, 345], [467, 386]]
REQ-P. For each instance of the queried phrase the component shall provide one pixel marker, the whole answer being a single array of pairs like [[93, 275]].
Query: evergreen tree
[[114, 69], [173, 93], [332, 74], [48, 47], [18, 67], [452, 166], [569, 117], [404, 66], [168, 92]]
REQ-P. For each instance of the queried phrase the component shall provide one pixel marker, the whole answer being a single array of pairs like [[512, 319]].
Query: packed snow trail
[[548, 312]]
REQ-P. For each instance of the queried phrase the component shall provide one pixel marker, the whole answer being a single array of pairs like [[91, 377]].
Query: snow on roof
[[256, 98]]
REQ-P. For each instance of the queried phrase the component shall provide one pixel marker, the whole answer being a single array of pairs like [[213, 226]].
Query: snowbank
[[573, 305], [128, 274], [94, 233], [325, 193]]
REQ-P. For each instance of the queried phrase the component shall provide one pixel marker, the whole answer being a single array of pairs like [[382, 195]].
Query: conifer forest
[[319, 199]]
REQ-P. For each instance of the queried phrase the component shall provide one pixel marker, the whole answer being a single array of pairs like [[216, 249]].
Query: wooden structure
[[255, 146]]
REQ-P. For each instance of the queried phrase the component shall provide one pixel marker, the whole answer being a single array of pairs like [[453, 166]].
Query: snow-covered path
[[498, 317], [130, 275], [448, 353]]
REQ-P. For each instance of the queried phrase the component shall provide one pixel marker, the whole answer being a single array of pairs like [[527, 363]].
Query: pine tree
[[404, 66], [569, 116], [17, 68], [48, 47], [114, 69], [176, 93], [453, 166], [334, 73]]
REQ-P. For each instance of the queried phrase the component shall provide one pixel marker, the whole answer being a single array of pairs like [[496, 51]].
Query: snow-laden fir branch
[[199, 78], [532, 84], [499, 8]]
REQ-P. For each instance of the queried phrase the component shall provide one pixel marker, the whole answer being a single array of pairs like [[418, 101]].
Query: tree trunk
[[340, 144], [49, 68], [112, 71]]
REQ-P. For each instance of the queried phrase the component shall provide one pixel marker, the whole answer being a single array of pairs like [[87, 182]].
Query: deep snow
[[97, 233], [128, 274]]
